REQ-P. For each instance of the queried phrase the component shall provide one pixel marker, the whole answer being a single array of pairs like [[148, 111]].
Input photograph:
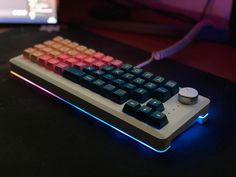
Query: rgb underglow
[[80, 109]]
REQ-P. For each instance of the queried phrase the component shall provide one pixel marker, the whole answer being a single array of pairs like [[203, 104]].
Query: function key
[[89, 69], [147, 75], [126, 67], [151, 87], [159, 81], [136, 71], [140, 95], [108, 69], [138, 82], [162, 94], [116, 63], [128, 77], [108, 89], [157, 119], [131, 107], [172, 86], [156, 105], [129, 87], [117, 72], [73, 74], [120, 96], [143, 112]]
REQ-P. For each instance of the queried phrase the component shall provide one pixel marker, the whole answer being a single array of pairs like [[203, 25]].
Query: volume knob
[[188, 95]]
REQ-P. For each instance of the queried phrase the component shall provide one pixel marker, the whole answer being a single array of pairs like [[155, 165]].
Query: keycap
[[80, 65], [27, 52], [97, 85], [73, 74], [89, 69], [89, 60], [128, 77], [139, 82], [120, 96], [60, 67], [81, 48], [98, 64], [71, 61], [43, 59], [98, 73], [80, 57], [131, 107], [147, 75], [98, 55], [143, 112], [162, 94], [126, 67], [117, 72], [172, 86], [157, 119], [108, 69], [156, 105], [151, 87], [87, 80], [63, 57], [52, 63], [39, 46], [159, 81], [140, 95], [73, 45], [58, 38], [107, 59], [35, 56], [108, 89], [129, 87], [89, 52], [72, 53], [118, 82], [116, 63], [136, 71], [108, 77]]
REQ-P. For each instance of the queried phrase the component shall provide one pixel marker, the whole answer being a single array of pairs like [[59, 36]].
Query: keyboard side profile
[[175, 117]]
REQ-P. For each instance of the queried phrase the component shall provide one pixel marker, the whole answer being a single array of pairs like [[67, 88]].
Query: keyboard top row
[[141, 92]]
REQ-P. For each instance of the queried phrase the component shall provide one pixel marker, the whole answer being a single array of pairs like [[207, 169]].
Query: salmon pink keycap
[[63, 57], [98, 64], [71, 61], [52, 63], [80, 65], [116, 63], [60, 67], [43, 59], [107, 59], [80, 57], [89, 60]]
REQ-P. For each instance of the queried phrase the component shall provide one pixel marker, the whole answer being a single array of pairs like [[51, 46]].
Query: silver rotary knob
[[188, 95]]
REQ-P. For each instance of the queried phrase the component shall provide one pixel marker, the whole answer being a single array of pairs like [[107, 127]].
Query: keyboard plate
[[180, 116]]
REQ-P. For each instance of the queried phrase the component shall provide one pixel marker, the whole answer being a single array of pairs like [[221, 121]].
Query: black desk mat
[[41, 136]]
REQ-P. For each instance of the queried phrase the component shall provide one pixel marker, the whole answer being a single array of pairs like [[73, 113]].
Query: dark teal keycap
[[162, 94], [143, 112], [117, 72], [108, 69], [131, 107], [172, 86], [147, 75], [97, 85], [89, 69], [151, 87], [98, 73], [158, 80], [139, 82], [107, 77], [126, 67], [129, 87], [107, 90], [120, 96], [118, 82], [87, 80], [136, 71], [156, 105], [140, 95], [157, 119], [73, 74], [128, 77]]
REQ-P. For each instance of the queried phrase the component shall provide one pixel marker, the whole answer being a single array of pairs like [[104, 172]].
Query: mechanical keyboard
[[148, 108]]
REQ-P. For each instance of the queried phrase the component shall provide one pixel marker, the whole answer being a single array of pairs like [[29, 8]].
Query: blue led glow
[[82, 110], [203, 116]]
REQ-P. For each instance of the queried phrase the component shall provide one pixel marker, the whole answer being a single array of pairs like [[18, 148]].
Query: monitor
[[28, 11]]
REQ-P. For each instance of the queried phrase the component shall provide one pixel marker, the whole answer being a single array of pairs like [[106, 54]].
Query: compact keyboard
[[148, 108]]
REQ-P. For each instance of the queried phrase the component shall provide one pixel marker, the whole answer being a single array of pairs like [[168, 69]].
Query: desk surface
[[40, 136]]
